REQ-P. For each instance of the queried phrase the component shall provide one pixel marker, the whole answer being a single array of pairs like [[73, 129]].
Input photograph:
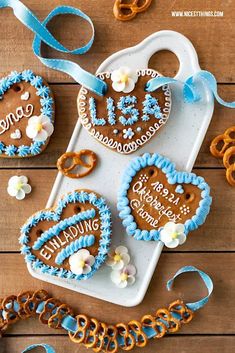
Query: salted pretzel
[[125, 10], [230, 165], [222, 142], [76, 160]]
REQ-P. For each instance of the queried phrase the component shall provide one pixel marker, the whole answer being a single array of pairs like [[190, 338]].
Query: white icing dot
[[115, 131], [138, 129]]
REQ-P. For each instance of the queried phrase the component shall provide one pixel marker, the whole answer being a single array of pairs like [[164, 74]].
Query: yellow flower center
[[19, 185], [124, 277], [124, 78], [39, 127], [117, 258], [82, 263], [174, 235]]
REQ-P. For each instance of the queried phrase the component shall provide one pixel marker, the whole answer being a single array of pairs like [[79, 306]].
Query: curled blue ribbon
[[206, 279], [47, 347], [42, 34], [189, 90]]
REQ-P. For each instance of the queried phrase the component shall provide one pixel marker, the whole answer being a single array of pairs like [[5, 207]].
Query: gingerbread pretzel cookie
[[77, 164], [125, 10]]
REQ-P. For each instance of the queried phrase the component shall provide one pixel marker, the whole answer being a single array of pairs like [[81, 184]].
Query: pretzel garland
[[223, 146], [99, 336]]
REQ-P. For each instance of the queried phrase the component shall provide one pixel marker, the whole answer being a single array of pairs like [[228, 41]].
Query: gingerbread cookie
[[153, 194], [125, 10], [27, 114], [126, 117], [72, 239]]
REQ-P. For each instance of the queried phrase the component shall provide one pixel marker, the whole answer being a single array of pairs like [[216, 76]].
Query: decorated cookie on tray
[[126, 117], [26, 114], [157, 202], [72, 239]]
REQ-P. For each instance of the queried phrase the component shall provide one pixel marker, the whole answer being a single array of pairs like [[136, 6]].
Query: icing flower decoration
[[81, 262], [118, 258], [39, 128], [18, 187], [172, 234], [128, 133], [124, 277], [124, 79]]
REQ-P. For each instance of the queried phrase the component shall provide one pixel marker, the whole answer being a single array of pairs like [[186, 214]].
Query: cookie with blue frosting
[[72, 239], [26, 114], [127, 116], [155, 197]]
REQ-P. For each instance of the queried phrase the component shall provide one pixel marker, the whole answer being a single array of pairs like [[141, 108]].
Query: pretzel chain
[[99, 336], [77, 160], [125, 10], [223, 146]]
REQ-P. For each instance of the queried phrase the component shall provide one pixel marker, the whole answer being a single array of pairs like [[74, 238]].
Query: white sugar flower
[[81, 262], [39, 128], [18, 186], [128, 133], [124, 79], [172, 234], [118, 258], [124, 277]]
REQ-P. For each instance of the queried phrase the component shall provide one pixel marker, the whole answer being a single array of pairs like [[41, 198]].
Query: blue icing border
[[46, 101], [173, 177], [54, 215]]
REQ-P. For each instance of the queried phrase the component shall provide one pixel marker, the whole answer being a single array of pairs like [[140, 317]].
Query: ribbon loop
[[206, 279], [47, 347], [189, 89], [42, 34]]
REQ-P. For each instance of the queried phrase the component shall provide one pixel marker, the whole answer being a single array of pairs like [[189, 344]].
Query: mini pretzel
[[77, 160], [227, 139], [229, 154], [126, 10]]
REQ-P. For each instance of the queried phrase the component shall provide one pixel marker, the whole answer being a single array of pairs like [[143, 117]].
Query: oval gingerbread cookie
[[26, 114], [72, 239], [126, 117], [153, 193]]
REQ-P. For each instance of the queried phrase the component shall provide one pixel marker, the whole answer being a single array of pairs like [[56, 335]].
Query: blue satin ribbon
[[47, 347], [206, 279], [190, 92], [42, 34]]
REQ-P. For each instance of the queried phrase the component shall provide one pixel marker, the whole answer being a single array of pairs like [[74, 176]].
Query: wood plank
[[214, 235], [111, 35], [220, 266], [66, 117], [180, 344]]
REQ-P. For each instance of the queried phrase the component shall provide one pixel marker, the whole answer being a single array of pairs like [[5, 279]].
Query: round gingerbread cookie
[[126, 117], [26, 114], [72, 239], [153, 193]]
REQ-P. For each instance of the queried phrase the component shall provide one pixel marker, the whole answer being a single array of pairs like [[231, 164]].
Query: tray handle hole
[[165, 62]]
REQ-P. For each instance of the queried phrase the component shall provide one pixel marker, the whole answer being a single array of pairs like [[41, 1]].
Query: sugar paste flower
[[118, 258], [81, 262], [172, 234], [124, 79], [128, 133], [18, 187], [124, 277], [39, 128]]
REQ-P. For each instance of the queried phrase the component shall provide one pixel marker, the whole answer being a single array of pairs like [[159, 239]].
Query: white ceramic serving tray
[[180, 140]]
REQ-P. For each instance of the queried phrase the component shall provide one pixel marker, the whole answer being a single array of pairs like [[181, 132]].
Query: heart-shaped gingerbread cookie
[[153, 193], [26, 114], [126, 117], [72, 239]]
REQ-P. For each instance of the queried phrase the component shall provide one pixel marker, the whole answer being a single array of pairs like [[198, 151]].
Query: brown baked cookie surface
[[70, 240], [26, 114], [122, 121]]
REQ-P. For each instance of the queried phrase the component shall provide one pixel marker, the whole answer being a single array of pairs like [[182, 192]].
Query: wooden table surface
[[211, 248]]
